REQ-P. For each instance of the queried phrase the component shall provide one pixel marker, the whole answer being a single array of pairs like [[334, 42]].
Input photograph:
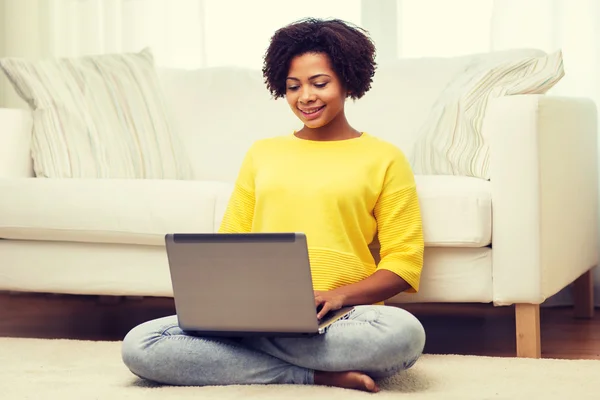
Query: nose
[[306, 96]]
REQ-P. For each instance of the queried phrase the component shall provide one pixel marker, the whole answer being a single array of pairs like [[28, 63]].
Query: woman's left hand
[[330, 301]]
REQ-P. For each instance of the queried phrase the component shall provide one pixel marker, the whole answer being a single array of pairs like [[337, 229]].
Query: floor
[[457, 329]]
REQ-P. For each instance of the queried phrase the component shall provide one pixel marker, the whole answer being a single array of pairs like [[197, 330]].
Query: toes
[[369, 384]]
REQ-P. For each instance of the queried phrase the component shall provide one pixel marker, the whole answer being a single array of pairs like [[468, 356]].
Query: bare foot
[[346, 380]]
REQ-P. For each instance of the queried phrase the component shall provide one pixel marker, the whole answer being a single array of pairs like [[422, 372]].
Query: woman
[[342, 188]]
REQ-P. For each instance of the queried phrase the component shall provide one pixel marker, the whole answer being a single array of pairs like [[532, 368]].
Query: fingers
[[318, 299], [322, 305], [324, 310]]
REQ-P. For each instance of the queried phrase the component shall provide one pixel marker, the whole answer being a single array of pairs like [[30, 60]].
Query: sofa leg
[[583, 295], [528, 330]]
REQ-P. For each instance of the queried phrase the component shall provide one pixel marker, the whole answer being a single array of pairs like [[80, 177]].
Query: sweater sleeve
[[399, 225], [239, 213]]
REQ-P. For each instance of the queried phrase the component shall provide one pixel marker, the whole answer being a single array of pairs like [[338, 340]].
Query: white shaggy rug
[[67, 369]]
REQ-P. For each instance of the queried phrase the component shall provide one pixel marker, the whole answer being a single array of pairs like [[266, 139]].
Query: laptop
[[248, 284]]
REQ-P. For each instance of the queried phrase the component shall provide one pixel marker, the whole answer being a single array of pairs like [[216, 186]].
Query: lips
[[311, 110], [312, 113]]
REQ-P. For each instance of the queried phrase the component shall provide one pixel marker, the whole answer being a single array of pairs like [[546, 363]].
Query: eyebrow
[[311, 78]]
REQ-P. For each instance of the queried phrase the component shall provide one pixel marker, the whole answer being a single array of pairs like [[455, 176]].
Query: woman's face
[[314, 91]]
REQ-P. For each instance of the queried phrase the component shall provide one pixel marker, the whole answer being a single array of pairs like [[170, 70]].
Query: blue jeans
[[377, 340]]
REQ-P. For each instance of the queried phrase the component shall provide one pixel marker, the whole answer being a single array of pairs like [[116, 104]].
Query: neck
[[336, 129]]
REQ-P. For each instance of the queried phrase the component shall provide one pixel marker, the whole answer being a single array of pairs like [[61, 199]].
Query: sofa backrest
[[15, 143], [220, 112]]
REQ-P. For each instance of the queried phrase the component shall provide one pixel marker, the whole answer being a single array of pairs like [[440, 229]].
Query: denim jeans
[[377, 340]]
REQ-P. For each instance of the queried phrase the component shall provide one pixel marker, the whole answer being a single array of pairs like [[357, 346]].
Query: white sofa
[[517, 239]]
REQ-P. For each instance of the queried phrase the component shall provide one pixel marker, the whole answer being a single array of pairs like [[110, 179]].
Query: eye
[[292, 88], [321, 85]]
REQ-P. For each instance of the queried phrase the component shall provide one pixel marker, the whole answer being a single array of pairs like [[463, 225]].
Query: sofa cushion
[[98, 116], [456, 210], [451, 141], [136, 211]]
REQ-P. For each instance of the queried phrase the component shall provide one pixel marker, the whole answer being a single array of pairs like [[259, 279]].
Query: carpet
[[67, 369]]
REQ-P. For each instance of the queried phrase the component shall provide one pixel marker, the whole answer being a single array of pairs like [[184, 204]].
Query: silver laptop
[[244, 285]]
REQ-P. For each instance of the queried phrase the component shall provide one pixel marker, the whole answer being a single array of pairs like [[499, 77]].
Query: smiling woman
[[339, 186]]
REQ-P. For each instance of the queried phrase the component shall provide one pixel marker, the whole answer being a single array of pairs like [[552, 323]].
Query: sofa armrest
[[544, 180], [15, 143]]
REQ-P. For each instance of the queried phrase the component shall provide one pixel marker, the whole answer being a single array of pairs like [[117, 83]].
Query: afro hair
[[349, 48]]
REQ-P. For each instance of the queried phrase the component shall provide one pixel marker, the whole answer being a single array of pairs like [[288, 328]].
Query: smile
[[311, 112]]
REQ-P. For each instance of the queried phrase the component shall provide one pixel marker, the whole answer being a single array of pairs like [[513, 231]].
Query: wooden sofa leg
[[528, 330], [583, 296]]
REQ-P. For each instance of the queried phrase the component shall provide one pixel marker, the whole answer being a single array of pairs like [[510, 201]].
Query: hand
[[330, 301]]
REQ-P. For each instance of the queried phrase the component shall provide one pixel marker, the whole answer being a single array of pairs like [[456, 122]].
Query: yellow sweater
[[341, 194]]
